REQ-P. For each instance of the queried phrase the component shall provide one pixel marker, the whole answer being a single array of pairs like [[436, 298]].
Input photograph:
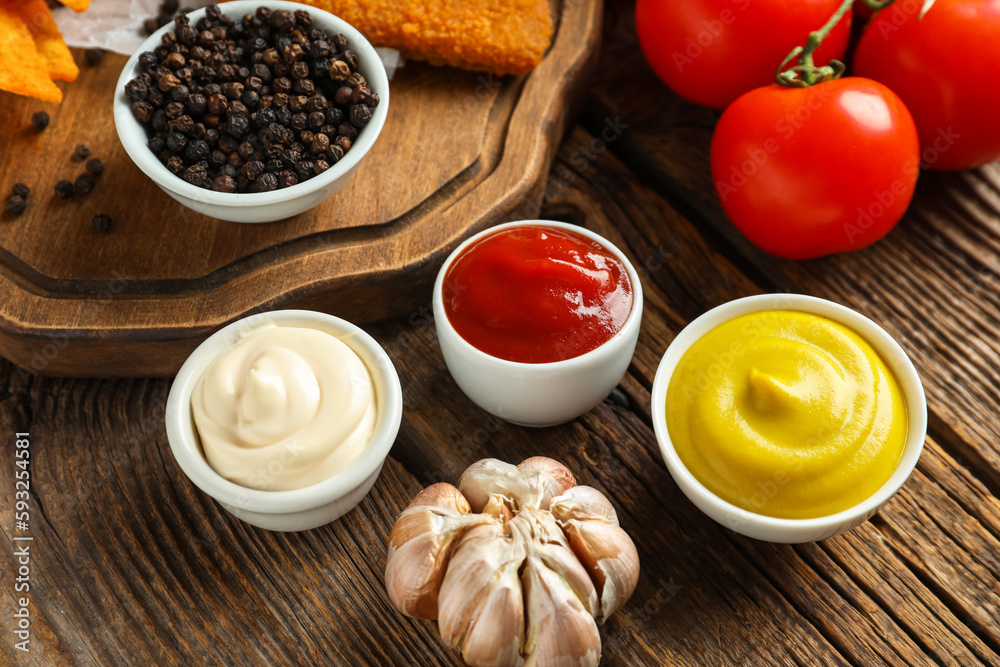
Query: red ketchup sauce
[[536, 294]]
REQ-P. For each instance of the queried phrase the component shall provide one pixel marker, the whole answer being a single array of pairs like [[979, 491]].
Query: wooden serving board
[[460, 151]]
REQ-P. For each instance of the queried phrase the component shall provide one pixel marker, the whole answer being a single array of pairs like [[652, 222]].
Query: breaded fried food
[[499, 36]]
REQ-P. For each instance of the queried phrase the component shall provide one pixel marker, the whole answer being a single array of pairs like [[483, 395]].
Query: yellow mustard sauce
[[786, 414]]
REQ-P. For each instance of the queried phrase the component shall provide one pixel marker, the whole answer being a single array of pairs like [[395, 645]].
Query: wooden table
[[131, 564]]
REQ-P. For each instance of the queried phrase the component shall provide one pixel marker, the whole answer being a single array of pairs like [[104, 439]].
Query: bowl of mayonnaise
[[285, 418]]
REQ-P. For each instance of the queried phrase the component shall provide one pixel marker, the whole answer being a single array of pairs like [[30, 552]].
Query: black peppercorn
[[176, 141], [175, 60], [287, 179], [281, 85], [156, 144], [101, 223], [64, 188], [136, 90], [250, 99], [21, 190], [265, 183], [174, 110], [217, 104], [184, 124], [253, 169], [333, 154], [159, 119], [94, 166], [334, 116], [216, 159], [343, 95], [348, 131], [196, 174], [233, 90], [360, 95], [16, 204], [143, 111], [175, 164], [316, 120], [40, 120], [150, 26], [179, 93], [320, 166], [93, 56], [360, 115], [355, 80], [84, 184], [339, 70], [224, 184], [196, 151], [196, 105], [264, 117]]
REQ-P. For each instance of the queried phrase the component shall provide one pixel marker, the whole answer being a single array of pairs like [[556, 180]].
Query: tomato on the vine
[[944, 67], [806, 172], [713, 51]]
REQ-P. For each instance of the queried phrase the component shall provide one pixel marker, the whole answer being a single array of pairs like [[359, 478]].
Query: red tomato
[[944, 67], [713, 51], [806, 172]]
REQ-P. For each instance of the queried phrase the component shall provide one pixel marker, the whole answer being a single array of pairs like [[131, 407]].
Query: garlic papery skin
[[591, 526], [419, 547], [518, 564]]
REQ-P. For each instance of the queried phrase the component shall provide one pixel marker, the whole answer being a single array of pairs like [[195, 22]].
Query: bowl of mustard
[[788, 418]]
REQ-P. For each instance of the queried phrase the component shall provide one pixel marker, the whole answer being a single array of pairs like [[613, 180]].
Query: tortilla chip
[[48, 40], [76, 5], [22, 69]]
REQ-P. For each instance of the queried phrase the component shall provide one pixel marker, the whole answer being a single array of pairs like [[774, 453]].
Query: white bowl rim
[[596, 355], [899, 362], [184, 441], [152, 167]]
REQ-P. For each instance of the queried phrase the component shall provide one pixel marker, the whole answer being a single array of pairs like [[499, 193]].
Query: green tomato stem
[[806, 73]]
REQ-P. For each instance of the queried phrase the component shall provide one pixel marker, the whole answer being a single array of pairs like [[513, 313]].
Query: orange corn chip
[[48, 40], [22, 69], [76, 5]]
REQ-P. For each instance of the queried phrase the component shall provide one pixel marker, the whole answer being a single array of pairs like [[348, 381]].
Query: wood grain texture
[[136, 565], [458, 152]]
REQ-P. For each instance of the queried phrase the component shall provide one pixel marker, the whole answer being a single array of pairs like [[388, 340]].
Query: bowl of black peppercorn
[[252, 112]]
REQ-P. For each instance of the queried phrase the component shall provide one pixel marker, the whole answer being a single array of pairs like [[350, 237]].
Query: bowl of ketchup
[[537, 320]]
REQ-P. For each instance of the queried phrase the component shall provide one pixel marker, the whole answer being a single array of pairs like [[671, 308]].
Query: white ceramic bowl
[[538, 394], [256, 206], [300, 509], [768, 528]]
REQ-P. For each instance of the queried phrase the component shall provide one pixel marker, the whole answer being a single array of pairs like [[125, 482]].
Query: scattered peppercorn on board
[[460, 151]]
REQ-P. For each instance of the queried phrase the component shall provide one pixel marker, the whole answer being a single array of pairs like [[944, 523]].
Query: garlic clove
[[496, 632], [419, 548], [482, 578], [546, 540], [487, 477], [560, 632], [544, 479], [583, 502], [591, 526], [611, 558]]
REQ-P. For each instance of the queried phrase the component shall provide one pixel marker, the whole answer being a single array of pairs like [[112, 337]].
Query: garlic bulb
[[518, 564]]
